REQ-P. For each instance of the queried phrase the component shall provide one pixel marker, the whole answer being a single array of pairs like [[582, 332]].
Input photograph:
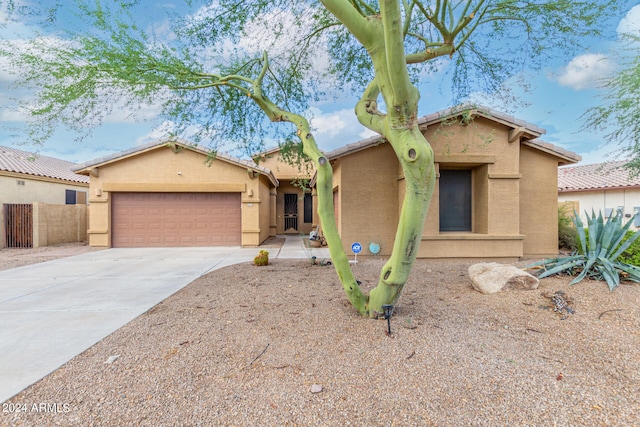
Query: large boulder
[[491, 277]]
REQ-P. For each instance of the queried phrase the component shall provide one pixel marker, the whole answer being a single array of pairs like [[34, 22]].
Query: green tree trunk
[[416, 158], [324, 189]]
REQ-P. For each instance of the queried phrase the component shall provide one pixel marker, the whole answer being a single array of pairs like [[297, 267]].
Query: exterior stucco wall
[[482, 147], [284, 170], [368, 198], [265, 210], [601, 200], [35, 189], [539, 203], [55, 224], [513, 186], [163, 169]]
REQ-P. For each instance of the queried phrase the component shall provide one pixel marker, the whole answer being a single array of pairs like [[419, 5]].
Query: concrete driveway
[[53, 311]]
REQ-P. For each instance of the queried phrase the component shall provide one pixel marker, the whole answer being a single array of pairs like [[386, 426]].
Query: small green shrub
[[632, 254], [598, 252], [567, 234], [262, 258]]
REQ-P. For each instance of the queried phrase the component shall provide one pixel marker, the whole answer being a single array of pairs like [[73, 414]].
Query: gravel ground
[[279, 345], [18, 257]]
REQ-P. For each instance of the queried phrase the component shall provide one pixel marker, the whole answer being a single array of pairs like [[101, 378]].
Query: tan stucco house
[[495, 195], [172, 193], [42, 202], [601, 187]]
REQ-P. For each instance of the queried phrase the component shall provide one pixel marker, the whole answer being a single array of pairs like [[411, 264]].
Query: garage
[[175, 219]]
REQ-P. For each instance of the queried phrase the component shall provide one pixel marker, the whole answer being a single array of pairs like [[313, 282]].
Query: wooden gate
[[18, 225]]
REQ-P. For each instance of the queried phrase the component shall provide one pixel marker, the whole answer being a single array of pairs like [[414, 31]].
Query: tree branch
[[398, 75], [351, 18], [367, 109]]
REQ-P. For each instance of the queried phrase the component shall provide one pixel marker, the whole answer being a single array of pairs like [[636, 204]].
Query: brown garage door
[[175, 219]]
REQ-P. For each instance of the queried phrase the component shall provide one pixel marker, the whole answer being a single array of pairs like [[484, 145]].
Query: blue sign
[[356, 248]]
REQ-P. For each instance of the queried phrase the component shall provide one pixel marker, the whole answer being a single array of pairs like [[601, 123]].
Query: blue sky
[[559, 95]]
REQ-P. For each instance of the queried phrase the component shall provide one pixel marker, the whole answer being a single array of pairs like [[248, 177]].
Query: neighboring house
[[172, 193], [495, 194], [27, 182], [601, 187], [294, 200]]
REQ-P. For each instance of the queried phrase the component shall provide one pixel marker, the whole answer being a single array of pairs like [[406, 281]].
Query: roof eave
[[531, 131], [85, 169], [565, 157]]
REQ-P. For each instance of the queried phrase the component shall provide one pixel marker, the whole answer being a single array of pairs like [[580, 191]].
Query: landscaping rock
[[316, 388], [491, 278]]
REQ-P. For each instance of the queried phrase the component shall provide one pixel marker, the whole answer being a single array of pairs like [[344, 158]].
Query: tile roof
[[531, 132], [566, 156], [83, 168], [598, 176], [480, 110], [19, 161]]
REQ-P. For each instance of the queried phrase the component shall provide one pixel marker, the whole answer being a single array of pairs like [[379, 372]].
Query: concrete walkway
[[53, 311]]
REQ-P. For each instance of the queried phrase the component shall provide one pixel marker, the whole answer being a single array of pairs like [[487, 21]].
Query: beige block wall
[[503, 206], [483, 148], [368, 205], [283, 170], [55, 224], [163, 169], [480, 138], [539, 203], [514, 195], [265, 210], [481, 202]]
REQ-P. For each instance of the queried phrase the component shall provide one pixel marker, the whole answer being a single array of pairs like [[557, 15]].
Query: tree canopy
[[186, 64], [618, 112]]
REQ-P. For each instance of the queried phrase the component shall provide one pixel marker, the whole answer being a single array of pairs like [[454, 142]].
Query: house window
[[308, 208], [455, 200], [70, 197]]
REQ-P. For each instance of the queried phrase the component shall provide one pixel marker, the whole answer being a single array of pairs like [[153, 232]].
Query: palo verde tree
[[218, 70]]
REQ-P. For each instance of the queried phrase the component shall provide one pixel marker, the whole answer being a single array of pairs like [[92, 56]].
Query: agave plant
[[597, 256]]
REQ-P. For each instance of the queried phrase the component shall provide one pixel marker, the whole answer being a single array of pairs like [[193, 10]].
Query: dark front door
[[455, 200], [290, 213]]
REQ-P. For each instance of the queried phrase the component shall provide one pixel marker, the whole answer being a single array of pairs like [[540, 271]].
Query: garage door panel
[[176, 219]]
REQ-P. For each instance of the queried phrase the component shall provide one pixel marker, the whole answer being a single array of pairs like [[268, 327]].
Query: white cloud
[[337, 128], [585, 71], [120, 112], [328, 125], [630, 24], [367, 133], [10, 113], [163, 130]]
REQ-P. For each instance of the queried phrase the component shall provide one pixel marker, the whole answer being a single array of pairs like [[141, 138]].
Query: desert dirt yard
[[280, 345]]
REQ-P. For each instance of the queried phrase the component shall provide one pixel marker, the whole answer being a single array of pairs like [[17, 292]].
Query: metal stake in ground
[[388, 309]]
